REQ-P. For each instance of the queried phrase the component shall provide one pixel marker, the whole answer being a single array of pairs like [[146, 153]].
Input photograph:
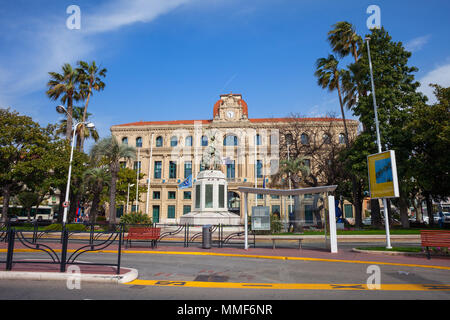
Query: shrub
[[135, 218]]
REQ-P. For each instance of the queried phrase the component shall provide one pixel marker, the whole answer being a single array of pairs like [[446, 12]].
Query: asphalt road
[[237, 279]]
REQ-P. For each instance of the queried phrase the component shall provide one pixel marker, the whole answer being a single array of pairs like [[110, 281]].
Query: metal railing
[[14, 235]]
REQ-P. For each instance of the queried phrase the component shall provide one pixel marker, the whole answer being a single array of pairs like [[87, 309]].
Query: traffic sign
[[66, 204]]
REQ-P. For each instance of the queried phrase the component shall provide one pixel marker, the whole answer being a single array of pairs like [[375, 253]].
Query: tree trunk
[[403, 204], [375, 213], [69, 118], [94, 208], [6, 193], [347, 142], [357, 202], [112, 193], [429, 203], [84, 118], [419, 212]]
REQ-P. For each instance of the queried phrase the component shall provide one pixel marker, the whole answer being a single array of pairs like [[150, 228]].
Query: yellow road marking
[[290, 286], [251, 256]]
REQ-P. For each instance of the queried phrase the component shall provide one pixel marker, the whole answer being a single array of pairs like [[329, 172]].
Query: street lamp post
[[61, 109], [386, 218], [128, 196]]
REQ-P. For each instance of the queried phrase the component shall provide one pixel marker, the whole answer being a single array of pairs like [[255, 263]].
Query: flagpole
[[137, 179], [149, 175], [256, 171]]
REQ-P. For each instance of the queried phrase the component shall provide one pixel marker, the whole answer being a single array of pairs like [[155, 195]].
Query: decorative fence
[[99, 237], [34, 240]]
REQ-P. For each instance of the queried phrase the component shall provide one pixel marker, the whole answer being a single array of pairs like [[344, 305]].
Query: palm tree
[[94, 180], [344, 40], [294, 170], [90, 80], [111, 151], [88, 132], [329, 76], [65, 85]]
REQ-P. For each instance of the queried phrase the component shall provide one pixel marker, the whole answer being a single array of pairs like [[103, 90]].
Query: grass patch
[[359, 232]]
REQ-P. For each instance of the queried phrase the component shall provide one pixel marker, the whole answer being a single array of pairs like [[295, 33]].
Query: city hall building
[[168, 152]]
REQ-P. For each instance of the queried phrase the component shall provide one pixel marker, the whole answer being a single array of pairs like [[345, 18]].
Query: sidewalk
[[108, 274]]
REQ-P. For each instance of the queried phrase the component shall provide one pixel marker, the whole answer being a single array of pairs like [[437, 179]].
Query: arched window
[[341, 138], [304, 138], [288, 138], [188, 141], [258, 140], [139, 142], [125, 140], [159, 141], [173, 141], [230, 140], [326, 138], [204, 141]]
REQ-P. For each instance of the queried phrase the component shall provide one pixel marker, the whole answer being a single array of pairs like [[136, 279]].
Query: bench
[[274, 239], [434, 238], [143, 233]]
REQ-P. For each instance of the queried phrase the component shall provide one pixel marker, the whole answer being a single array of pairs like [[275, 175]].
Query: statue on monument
[[211, 156]]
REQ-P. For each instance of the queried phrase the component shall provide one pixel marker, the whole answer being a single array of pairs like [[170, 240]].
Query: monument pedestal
[[210, 201]]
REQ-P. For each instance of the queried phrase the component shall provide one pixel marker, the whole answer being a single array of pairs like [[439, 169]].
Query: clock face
[[230, 114]]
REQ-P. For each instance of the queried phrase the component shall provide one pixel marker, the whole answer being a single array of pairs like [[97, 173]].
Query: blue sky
[[171, 59]]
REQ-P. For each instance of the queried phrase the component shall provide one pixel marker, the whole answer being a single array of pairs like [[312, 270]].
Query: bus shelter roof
[[288, 192]]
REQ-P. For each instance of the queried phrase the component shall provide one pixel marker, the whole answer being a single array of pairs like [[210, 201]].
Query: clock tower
[[230, 107]]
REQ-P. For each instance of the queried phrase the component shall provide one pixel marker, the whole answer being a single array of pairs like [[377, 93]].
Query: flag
[[186, 183]]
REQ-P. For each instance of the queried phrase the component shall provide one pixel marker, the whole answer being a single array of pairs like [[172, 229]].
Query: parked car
[[446, 217], [14, 220]]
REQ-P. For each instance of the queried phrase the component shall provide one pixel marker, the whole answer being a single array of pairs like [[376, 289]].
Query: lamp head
[[90, 125], [61, 109]]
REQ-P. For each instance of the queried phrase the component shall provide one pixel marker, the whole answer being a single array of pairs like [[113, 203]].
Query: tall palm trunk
[[114, 169], [347, 143], [84, 118], [69, 118]]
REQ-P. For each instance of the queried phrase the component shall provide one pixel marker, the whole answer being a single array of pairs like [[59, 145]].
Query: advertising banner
[[383, 182]]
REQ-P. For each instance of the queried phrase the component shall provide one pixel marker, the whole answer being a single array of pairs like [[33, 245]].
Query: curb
[[131, 275]]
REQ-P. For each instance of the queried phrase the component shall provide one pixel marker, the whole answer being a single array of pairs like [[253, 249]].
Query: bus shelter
[[303, 209]]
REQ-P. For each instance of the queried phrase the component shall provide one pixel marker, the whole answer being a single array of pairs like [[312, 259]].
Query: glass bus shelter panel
[[307, 212]]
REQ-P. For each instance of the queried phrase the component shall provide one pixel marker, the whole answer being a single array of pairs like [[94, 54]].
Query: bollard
[[206, 237], [9, 255]]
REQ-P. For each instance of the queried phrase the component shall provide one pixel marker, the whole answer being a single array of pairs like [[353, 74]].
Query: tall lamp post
[[61, 109], [375, 109], [128, 196]]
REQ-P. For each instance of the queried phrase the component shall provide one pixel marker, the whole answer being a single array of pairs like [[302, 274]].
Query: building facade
[[168, 152]]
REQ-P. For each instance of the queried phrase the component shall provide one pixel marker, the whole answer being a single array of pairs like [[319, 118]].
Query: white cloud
[[120, 13], [45, 44], [417, 43], [440, 76]]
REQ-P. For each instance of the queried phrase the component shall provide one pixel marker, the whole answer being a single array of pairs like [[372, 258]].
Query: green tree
[[128, 176], [430, 128], [329, 77], [22, 143], [27, 200], [111, 151], [344, 40], [65, 86], [395, 94], [90, 79], [81, 130], [95, 179]]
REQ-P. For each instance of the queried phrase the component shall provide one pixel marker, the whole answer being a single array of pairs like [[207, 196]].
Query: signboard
[[261, 218], [383, 182]]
